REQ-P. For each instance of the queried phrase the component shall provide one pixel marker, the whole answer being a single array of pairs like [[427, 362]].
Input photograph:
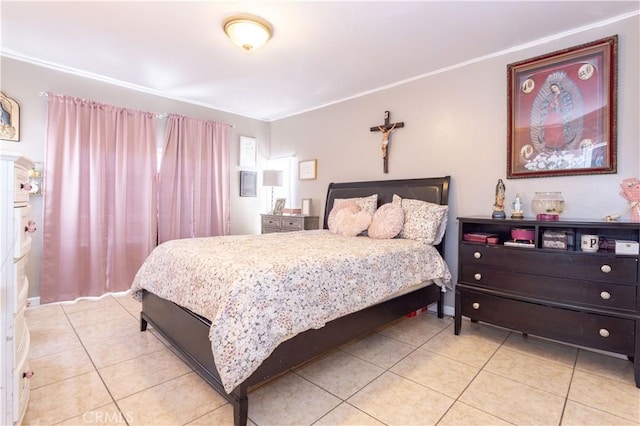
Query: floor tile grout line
[[123, 417], [457, 399]]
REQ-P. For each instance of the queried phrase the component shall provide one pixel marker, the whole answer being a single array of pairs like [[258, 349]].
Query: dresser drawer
[[22, 292], [292, 223], [592, 330], [23, 395], [22, 382], [22, 244], [21, 337], [556, 289], [21, 195], [593, 267]]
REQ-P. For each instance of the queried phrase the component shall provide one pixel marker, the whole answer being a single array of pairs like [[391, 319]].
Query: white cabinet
[[16, 226]]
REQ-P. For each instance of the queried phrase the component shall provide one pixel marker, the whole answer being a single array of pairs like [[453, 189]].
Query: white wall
[[456, 124], [24, 82]]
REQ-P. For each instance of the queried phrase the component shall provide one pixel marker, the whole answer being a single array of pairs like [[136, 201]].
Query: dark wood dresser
[[591, 299], [287, 223]]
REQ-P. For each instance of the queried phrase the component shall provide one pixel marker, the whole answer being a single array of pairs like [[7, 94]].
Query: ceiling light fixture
[[247, 31]]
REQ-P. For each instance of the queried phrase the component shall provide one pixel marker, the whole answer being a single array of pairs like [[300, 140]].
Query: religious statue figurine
[[516, 208], [498, 206]]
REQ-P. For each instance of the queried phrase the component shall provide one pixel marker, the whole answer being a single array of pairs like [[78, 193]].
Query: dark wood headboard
[[434, 190]]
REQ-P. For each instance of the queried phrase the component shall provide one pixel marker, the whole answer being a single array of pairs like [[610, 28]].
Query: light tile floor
[[93, 366]]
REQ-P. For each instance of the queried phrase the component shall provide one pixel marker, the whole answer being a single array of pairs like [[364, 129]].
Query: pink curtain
[[194, 180], [99, 197]]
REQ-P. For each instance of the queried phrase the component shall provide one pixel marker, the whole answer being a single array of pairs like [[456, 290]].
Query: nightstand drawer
[[287, 223], [607, 268], [271, 222], [562, 290], [292, 223], [592, 330]]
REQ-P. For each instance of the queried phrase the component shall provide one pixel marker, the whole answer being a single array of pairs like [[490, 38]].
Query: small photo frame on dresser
[[279, 206], [306, 206]]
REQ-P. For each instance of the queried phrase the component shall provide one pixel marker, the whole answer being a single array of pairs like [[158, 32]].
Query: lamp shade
[[272, 178], [247, 31]]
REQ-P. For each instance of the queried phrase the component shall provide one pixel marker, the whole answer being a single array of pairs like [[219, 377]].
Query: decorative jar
[[547, 205]]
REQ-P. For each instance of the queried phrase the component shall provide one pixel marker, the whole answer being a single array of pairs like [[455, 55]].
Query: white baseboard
[[33, 301]]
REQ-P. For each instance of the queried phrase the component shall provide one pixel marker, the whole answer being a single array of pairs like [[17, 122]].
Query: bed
[[191, 333]]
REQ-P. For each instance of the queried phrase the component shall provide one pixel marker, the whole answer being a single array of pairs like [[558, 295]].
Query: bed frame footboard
[[188, 333]]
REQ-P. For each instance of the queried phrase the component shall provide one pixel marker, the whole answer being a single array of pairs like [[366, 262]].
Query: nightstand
[[287, 223]]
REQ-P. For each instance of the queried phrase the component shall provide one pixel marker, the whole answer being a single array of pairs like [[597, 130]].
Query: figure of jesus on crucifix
[[385, 138], [386, 130]]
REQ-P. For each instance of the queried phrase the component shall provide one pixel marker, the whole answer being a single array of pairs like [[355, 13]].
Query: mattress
[[260, 290]]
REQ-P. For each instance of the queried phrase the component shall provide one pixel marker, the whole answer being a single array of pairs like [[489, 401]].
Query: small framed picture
[[9, 119], [306, 206], [279, 206], [248, 186], [247, 152], [308, 169]]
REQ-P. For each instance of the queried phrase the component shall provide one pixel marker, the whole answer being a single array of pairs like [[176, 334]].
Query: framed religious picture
[[562, 112], [9, 119], [248, 184]]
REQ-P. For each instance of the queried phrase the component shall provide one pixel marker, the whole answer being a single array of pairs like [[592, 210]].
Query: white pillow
[[387, 222], [368, 204], [423, 221]]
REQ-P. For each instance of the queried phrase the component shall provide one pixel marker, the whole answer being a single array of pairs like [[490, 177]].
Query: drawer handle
[[28, 374], [604, 332], [477, 255], [31, 227], [475, 305], [605, 295], [477, 276], [26, 186], [605, 268]]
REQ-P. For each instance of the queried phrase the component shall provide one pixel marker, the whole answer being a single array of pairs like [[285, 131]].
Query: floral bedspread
[[260, 290]]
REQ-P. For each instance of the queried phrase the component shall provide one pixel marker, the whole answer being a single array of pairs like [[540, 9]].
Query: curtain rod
[[159, 115]]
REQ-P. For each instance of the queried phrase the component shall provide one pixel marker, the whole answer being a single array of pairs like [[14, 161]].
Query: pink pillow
[[350, 224], [332, 221], [387, 222]]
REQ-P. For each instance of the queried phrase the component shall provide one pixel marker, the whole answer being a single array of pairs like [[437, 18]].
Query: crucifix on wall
[[386, 130]]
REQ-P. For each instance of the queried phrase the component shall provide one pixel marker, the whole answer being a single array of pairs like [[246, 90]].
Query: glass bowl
[[547, 205]]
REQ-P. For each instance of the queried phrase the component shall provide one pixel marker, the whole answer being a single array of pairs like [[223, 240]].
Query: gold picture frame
[[9, 119], [308, 170], [562, 112]]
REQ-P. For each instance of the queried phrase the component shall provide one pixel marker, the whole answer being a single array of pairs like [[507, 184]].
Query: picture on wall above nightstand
[[248, 148], [248, 184], [308, 170]]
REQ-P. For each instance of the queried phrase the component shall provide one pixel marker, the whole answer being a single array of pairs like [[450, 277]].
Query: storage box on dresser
[[287, 223], [15, 243], [587, 299]]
